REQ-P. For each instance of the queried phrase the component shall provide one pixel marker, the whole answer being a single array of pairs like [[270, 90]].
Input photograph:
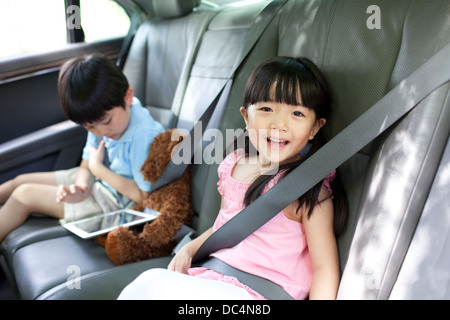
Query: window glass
[[31, 26], [103, 19]]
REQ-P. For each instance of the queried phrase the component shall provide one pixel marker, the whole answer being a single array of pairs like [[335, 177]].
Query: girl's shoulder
[[230, 161], [241, 167], [225, 172]]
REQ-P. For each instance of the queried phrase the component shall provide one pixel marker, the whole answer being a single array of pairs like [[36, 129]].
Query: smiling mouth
[[277, 144]]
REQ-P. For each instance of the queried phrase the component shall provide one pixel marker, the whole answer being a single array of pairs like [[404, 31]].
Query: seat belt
[[267, 288], [135, 22], [173, 171], [387, 111]]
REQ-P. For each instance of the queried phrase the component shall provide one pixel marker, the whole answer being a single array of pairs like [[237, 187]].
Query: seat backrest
[[154, 69], [402, 164], [385, 182], [362, 62]]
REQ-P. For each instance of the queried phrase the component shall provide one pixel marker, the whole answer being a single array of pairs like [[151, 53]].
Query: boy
[[95, 94]]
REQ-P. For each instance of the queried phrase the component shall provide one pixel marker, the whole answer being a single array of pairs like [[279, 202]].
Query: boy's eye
[[107, 121]]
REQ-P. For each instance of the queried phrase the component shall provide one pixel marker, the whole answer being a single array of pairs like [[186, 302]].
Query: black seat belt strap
[[387, 111], [174, 171], [135, 22]]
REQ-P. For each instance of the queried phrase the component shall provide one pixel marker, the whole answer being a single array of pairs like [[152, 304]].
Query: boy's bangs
[[84, 114]]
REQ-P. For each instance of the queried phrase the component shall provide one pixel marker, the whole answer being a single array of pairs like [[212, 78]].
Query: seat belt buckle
[[186, 234]]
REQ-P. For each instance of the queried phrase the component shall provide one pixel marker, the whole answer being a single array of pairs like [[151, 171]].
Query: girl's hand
[[72, 193], [182, 260]]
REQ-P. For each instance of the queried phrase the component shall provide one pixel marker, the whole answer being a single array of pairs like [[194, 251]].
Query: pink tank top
[[277, 251]]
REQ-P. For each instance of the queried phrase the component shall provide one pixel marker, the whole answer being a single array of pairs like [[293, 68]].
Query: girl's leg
[[162, 284], [7, 188], [26, 199]]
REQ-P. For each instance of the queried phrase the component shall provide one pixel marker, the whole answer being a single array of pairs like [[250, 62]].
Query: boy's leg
[[7, 188], [26, 199]]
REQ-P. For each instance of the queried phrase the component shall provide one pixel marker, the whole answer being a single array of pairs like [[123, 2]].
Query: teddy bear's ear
[[177, 135], [175, 138]]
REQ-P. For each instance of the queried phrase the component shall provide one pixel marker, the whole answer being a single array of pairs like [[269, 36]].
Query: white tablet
[[104, 223]]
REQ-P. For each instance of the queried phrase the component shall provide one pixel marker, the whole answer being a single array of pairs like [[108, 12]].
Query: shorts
[[100, 201]]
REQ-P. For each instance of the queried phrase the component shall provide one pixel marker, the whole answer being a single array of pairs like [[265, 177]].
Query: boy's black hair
[[295, 81], [89, 86]]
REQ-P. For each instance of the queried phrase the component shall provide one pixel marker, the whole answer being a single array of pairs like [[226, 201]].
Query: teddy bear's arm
[[163, 229]]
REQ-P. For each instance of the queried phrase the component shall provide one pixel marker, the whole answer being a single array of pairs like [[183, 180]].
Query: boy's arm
[[124, 186], [80, 190], [84, 176]]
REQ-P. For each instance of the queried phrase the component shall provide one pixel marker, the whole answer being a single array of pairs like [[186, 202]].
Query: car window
[[31, 26], [39, 26], [111, 23]]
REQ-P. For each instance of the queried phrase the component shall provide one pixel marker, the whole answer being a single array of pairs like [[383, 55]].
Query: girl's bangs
[[291, 81], [286, 90]]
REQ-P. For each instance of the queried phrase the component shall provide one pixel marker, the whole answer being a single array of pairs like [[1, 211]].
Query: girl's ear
[[244, 114], [319, 124]]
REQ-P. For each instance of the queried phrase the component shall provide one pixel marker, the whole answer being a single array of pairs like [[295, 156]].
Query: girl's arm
[[183, 259], [323, 249]]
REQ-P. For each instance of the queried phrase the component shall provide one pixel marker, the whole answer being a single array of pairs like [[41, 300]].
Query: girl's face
[[115, 121], [280, 131]]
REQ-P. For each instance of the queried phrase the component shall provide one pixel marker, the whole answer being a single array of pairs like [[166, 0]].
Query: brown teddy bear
[[173, 201]]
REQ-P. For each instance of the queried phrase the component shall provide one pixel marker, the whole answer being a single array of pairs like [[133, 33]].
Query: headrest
[[174, 8]]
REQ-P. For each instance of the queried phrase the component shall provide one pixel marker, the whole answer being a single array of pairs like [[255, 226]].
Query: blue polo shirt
[[127, 154]]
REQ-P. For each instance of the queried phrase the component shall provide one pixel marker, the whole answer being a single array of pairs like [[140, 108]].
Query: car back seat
[[155, 71], [183, 19], [222, 35], [387, 182]]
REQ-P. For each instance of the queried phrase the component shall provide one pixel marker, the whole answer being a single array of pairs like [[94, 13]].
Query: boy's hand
[[72, 193], [96, 157]]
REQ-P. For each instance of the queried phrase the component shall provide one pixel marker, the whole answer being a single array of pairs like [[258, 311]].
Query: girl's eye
[[267, 109], [297, 113]]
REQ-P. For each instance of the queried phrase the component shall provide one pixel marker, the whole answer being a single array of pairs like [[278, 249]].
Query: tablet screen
[[101, 224]]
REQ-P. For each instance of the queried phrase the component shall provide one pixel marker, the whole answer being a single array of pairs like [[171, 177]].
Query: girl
[[286, 102]]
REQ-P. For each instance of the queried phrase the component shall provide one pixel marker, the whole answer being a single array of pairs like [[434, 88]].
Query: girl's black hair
[[89, 86], [295, 81]]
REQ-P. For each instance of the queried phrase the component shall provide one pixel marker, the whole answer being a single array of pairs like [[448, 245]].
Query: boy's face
[[115, 121], [112, 125]]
